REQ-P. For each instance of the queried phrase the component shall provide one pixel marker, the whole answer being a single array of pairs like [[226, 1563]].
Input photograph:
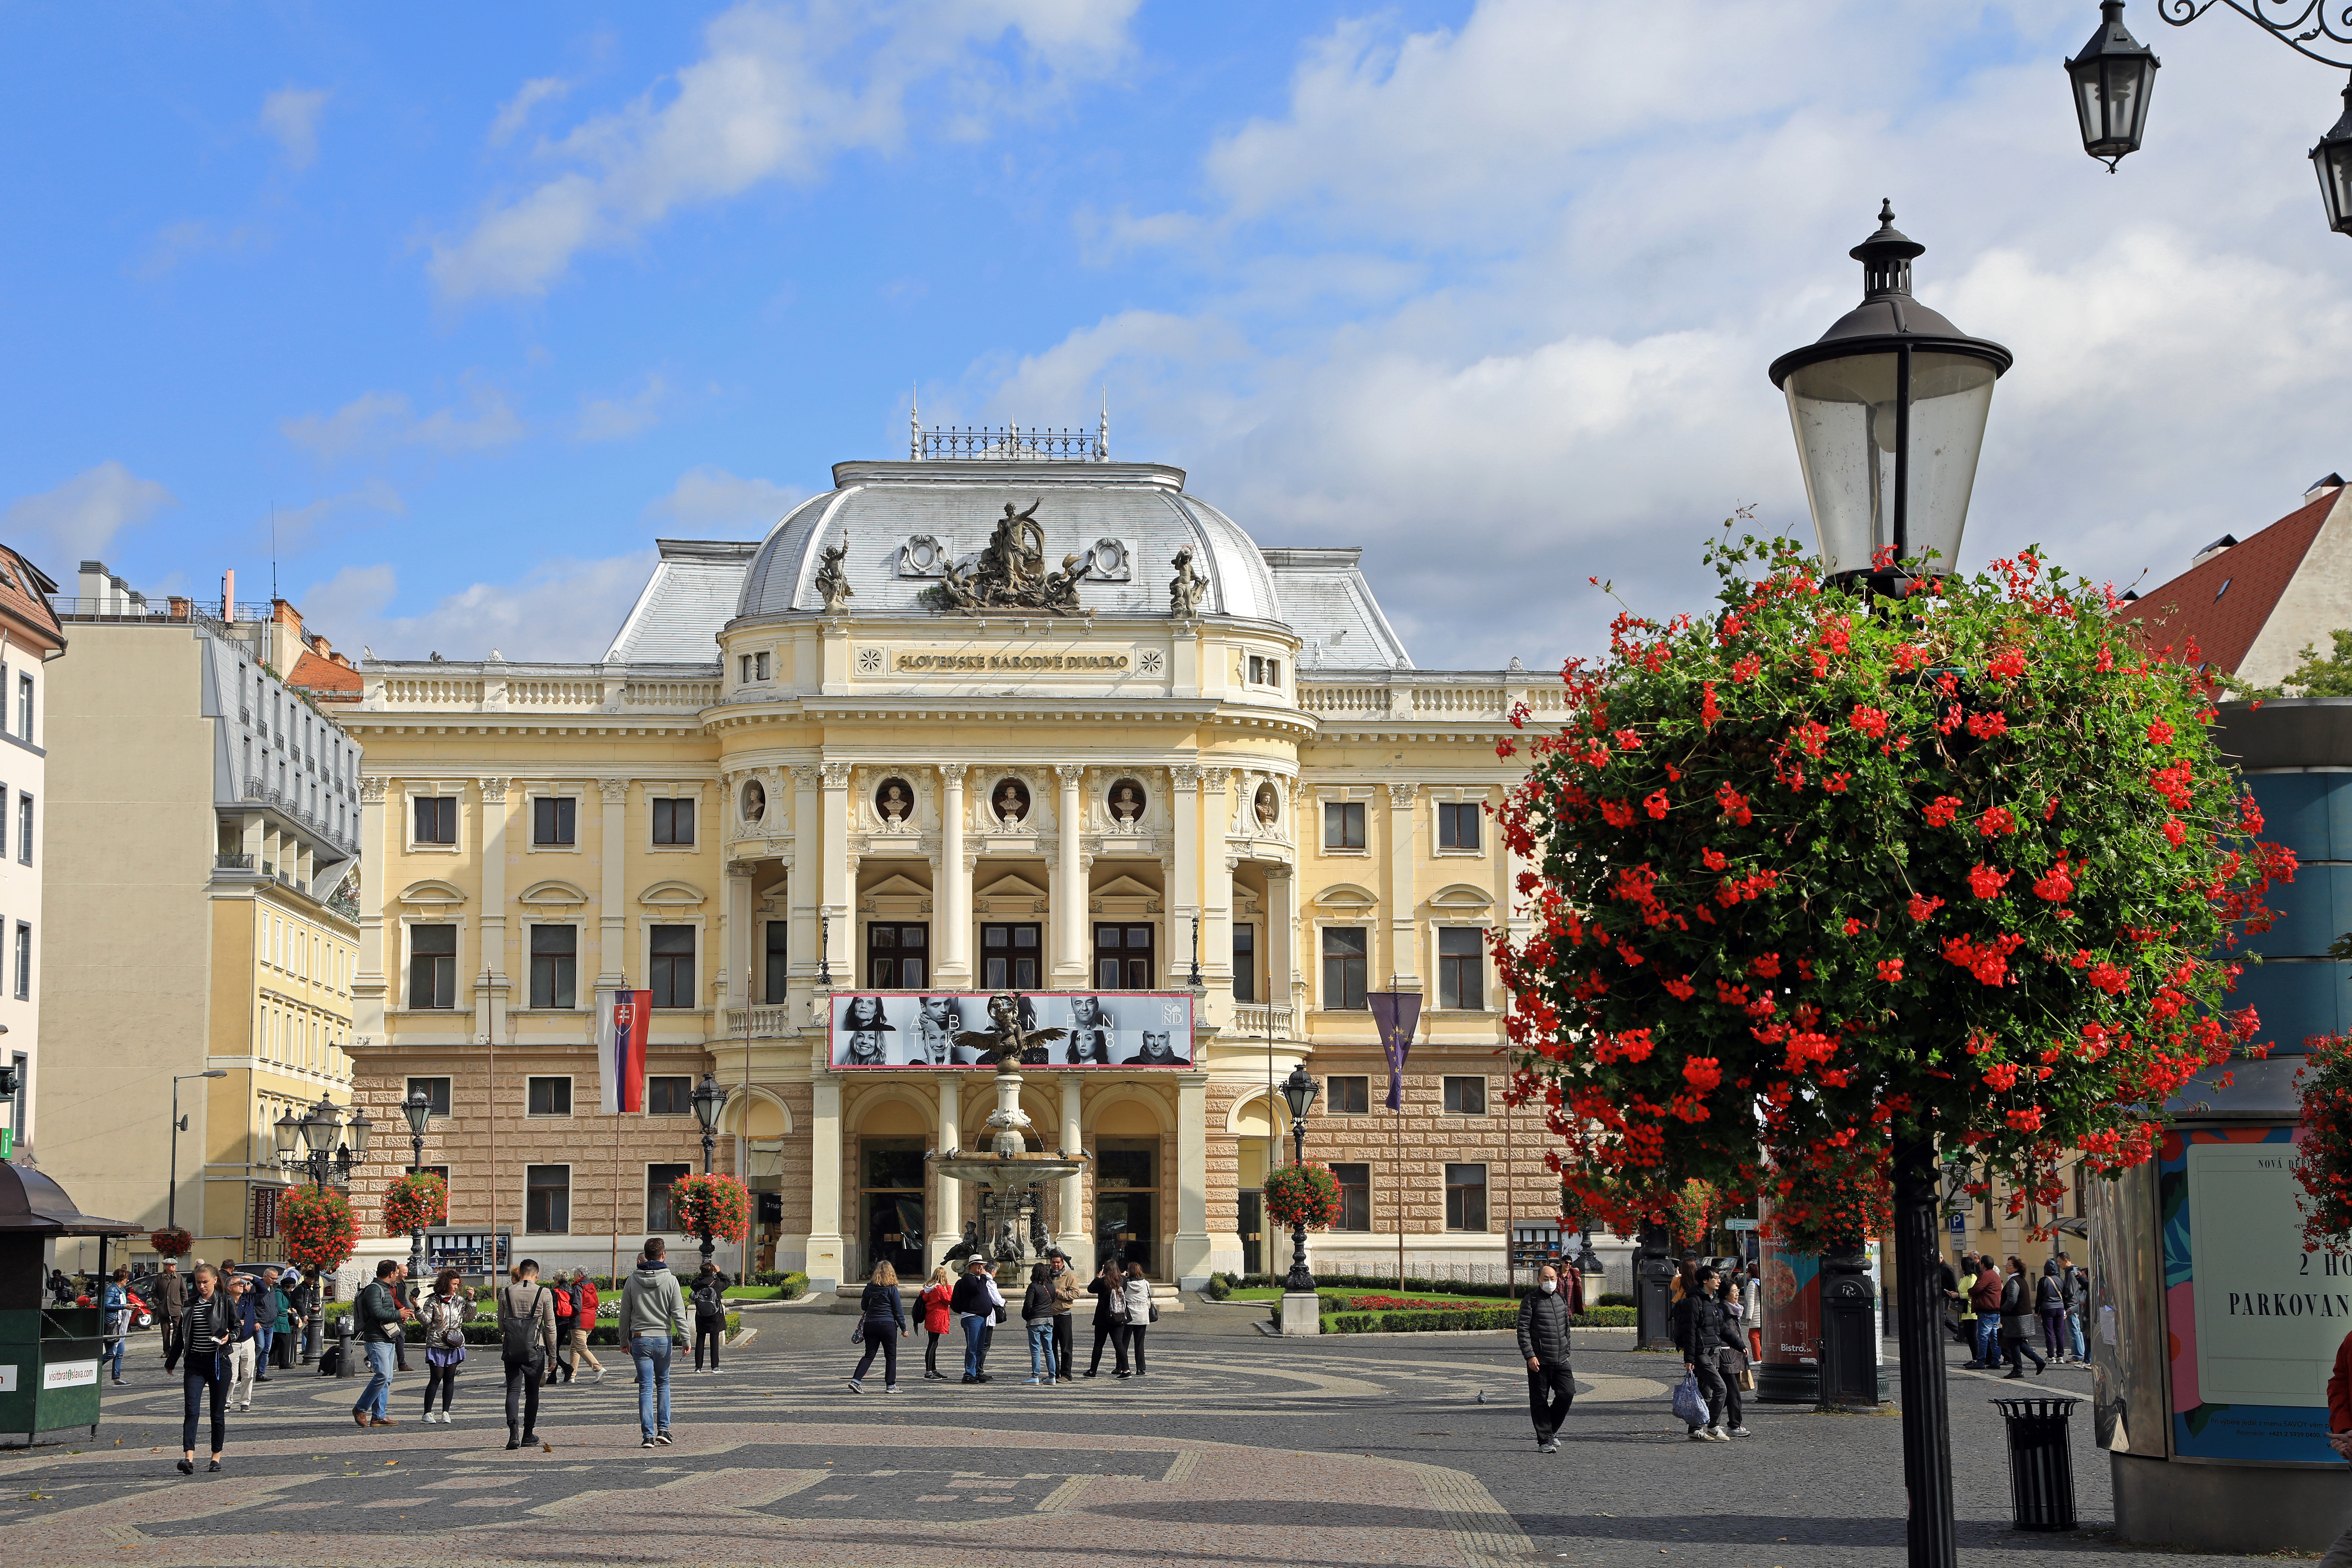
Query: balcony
[[1258, 1020], [769, 1021]]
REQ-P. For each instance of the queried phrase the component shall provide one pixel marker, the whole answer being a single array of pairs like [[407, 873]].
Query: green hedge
[[1615, 1298], [1388, 1282], [1470, 1317]]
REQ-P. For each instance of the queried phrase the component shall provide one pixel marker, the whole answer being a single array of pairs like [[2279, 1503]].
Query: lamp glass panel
[[357, 1129], [288, 1129], [318, 1127], [1842, 411], [2129, 80], [1950, 396], [419, 1111], [2090, 108], [2333, 163]]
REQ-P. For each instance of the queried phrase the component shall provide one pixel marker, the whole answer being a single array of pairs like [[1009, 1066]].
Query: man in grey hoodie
[[653, 1318]]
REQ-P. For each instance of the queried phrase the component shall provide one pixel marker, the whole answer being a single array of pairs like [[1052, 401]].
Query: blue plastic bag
[[1689, 1404]]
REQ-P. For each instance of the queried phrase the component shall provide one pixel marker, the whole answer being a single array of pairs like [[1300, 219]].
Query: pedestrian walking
[[1985, 1296], [653, 1319], [205, 1329], [526, 1348], [975, 1304], [2017, 1322], [1545, 1315], [584, 1302], [881, 1321], [932, 1304], [1135, 1298], [1066, 1296], [1037, 1317], [1108, 1284], [244, 1307], [116, 1307], [2050, 1306], [1703, 1332], [2074, 1290], [447, 1310], [709, 1296], [2339, 1437], [557, 1366], [378, 1313], [171, 1302]]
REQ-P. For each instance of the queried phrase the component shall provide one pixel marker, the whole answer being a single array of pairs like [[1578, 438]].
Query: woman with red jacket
[[584, 1322], [932, 1304]]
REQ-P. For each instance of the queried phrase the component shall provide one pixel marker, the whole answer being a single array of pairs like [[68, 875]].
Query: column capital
[[616, 790], [806, 776], [1403, 794], [1069, 773], [951, 773], [1276, 871], [836, 775], [493, 790], [1216, 779], [371, 789], [740, 870], [1186, 775]]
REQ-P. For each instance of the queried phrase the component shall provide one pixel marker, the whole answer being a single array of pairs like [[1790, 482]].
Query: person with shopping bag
[[1702, 1330]]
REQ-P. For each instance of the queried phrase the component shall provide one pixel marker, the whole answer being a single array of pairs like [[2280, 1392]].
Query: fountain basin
[[1006, 1172]]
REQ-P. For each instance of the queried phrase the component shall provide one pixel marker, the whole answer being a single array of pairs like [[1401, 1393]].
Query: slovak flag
[[625, 1022]]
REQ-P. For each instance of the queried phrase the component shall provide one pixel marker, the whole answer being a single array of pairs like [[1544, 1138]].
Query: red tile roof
[[325, 677], [24, 590], [2221, 605]]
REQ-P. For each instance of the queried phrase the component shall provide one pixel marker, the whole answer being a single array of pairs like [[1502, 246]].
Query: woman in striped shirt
[[207, 1329]]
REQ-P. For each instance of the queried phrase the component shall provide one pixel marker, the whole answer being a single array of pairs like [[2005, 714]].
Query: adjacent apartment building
[[30, 639], [203, 858]]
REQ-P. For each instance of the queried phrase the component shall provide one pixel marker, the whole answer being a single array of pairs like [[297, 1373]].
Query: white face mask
[[1549, 1286]]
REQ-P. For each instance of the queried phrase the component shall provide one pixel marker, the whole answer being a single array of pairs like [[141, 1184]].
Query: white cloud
[[383, 421], [61, 528], [180, 242], [780, 91], [617, 418], [290, 529], [560, 609], [711, 499], [515, 111], [291, 115]]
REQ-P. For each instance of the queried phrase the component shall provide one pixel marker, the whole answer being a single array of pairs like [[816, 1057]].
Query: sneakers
[[967, 1377], [855, 1386], [647, 1444], [714, 1372], [430, 1417], [1698, 1435], [600, 1375], [890, 1388], [1741, 1432], [1030, 1382], [1716, 1435], [1549, 1446], [662, 1438]]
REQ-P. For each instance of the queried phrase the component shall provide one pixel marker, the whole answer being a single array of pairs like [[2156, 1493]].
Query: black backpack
[[519, 1332]]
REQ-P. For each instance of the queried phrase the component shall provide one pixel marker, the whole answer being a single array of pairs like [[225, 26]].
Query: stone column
[[613, 909], [1282, 937], [1070, 896], [1217, 896], [1184, 879], [947, 1218], [735, 940], [823, 1265], [1402, 974], [804, 891], [375, 854], [490, 990], [1072, 1239], [953, 894], [1190, 1262], [836, 894]]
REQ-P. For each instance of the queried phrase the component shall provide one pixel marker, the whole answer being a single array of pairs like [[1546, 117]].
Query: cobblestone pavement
[[1237, 1449]]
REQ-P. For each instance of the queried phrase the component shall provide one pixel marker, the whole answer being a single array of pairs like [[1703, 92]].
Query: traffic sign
[[1960, 1225], [1740, 1224]]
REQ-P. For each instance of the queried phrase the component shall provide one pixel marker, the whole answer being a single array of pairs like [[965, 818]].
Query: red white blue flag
[[625, 1021]]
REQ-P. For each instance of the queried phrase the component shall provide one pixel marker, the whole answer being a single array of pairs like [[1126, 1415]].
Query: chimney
[[228, 595], [91, 586], [2327, 486]]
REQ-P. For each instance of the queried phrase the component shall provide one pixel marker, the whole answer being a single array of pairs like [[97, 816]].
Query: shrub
[[1219, 1288], [1614, 1298]]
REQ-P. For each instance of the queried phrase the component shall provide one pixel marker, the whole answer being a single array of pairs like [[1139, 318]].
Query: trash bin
[[2040, 1461]]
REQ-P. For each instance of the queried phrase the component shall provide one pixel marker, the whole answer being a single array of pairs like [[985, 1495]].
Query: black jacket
[[1702, 1324], [1544, 1320], [970, 1298], [880, 1304]]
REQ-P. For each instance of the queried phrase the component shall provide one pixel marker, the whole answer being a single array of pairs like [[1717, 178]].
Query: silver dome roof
[[903, 521]]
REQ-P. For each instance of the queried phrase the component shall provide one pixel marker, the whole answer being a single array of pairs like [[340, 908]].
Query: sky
[[443, 314]]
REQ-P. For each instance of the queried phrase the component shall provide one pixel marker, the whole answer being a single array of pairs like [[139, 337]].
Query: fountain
[[1010, 1223]]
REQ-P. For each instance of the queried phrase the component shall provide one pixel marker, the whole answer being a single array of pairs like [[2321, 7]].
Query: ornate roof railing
[[1009, 444]]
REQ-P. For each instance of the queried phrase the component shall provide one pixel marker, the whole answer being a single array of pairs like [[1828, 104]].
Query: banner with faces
[[1099, 1029]]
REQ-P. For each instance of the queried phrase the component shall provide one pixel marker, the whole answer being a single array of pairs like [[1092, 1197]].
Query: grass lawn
[[754, 1292], [1263, 1293]]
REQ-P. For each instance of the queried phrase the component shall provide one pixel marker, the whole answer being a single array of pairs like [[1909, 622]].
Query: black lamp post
[[2333, 160], [708, 1100], [308, 1143], [419, 1108], [180, 1125], [1299, 1092], [1889, 410], [2112, 78]]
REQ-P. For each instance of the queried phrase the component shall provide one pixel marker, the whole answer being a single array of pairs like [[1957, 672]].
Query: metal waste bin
[[2040, 1461]]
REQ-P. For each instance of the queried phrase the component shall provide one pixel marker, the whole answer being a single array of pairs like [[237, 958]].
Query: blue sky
[[480, 300]]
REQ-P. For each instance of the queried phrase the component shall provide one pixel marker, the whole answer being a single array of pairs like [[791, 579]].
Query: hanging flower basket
[[1303, 1194], [2323, 1144], [415, 1202], [319, 1227], [171, 1241], [717, 1207]]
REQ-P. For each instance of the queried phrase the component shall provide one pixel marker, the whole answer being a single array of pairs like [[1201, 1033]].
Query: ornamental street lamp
[[708, 1100], [2333, 160], [307, 1144], [1299, 1092], [419, 1108], [2112, 77], [1889, 410]]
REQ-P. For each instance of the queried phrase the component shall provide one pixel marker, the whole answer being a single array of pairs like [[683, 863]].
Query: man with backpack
[[379, 1311], [709, 1314], [526, 1342]]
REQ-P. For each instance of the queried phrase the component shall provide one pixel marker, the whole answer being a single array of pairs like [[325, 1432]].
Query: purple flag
[[1398, 1014]]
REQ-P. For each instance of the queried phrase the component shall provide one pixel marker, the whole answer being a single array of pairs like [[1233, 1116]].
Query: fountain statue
[[1010, 1222]]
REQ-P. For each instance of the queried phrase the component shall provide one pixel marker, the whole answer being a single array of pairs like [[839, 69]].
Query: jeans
[[2075, 1334], [1041, 1351], [240, 1372], [114, 1355], [975, 1352], [709, 1331], [2340, 1554], [931, 1356], [1551, 1389], [651, 1353], [523, 1378], [882, 1338], [1988, 1328], [204, 1372], [375, 1399], [261, 1338]]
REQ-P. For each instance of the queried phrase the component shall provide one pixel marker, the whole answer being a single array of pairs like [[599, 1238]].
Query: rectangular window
[[672, 970], [2081, 1212], [1244, 964], [1466, 1097], [779, 971], [546, 1097], [658, 1178], [432, 967], [25, 828], [24, 961], [897, 955], [436, 817], [1461, 968], [1264, 672], [17, 1111], [1466, 1198], [1346, 958], [674, 821], [547, 1199], [554, 820], [555, 966], [436, 1093], [1352, 1096], [669, 1095], [758, 667], [1343, 824], [25, 708], [1355, 1194], [1457, 824], [1008, 956], [1123, 957]]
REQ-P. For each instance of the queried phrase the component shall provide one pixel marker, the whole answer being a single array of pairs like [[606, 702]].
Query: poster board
[[899, 1030]]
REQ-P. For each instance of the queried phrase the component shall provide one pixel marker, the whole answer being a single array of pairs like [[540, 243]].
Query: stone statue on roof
[[1184, 593], [833, 577]]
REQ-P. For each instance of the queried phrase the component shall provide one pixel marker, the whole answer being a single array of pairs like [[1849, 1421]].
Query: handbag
[[857, 1334], [1688, 1403]]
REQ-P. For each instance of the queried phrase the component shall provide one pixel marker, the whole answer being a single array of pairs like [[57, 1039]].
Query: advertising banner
[[901, 1029], [2253, 1319]]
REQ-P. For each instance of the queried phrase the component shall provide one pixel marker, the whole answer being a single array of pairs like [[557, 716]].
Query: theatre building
[[1004, 717]]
